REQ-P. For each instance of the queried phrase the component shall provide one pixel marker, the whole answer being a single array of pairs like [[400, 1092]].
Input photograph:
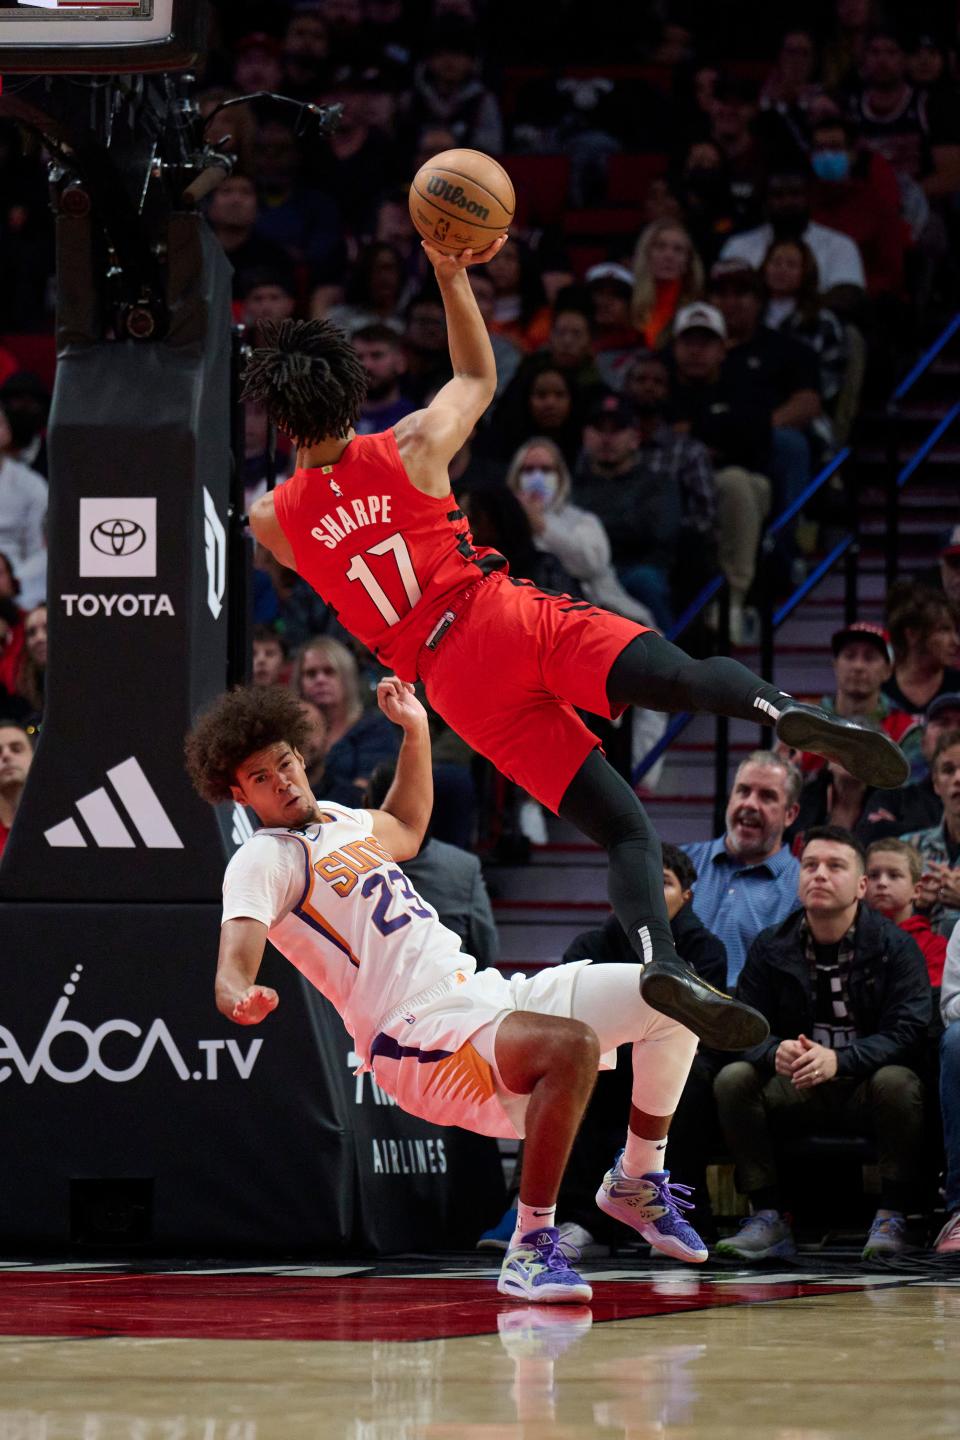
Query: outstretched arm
[[428, 439], [242, 943], [402, 820]]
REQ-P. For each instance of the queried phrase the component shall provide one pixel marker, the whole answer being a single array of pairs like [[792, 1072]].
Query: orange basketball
[[461, 200]]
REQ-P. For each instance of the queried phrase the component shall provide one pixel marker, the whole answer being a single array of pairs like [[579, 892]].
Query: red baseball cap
[[863, 630], [950, 542]]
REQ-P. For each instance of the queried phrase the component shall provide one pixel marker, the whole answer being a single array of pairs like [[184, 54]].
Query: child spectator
[[269, 656], [894, 869]]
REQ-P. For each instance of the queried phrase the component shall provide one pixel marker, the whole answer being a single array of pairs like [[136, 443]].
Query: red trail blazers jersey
[[385, 556]]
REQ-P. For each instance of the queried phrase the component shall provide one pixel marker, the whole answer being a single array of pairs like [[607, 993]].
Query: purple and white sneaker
[[538, 1269], [652, 1206]]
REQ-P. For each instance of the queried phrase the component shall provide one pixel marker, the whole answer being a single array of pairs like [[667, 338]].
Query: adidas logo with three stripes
[[106, 824]]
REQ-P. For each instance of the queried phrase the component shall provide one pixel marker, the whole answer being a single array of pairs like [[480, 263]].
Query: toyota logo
[[118, 537]]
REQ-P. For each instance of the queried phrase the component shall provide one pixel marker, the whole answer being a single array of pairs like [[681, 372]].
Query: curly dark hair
[[308, 377], [237, 725]]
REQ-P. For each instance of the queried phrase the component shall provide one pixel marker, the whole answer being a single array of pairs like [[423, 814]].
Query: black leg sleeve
[[660, 676], [602, 804]]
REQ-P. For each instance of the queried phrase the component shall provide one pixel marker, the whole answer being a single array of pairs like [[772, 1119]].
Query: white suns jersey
[[337, 904]]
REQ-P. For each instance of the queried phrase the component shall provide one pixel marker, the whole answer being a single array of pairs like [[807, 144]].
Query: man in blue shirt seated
[[747, 878]]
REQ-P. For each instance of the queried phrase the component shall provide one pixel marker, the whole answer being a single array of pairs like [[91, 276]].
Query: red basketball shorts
[[509, 671]]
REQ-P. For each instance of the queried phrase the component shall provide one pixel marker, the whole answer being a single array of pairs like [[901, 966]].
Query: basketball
[[461, 200]]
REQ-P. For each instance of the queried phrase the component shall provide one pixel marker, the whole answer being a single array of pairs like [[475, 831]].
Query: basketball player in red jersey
[[370, 521]]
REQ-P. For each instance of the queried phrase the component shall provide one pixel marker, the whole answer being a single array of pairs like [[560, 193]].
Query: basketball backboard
[[93, 36]]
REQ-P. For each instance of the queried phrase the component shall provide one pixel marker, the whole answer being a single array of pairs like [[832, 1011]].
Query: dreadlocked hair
[[237, 725], [308, 377]]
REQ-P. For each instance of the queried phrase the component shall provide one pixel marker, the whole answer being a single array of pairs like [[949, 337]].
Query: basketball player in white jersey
[[500, 1057]]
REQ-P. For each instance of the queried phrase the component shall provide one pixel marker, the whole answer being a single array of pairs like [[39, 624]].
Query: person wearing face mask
[[788, 202], [855, 191], [539, 477]]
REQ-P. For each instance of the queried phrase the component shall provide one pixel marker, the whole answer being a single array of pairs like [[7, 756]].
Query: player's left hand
[[398, 701], [448, 265]]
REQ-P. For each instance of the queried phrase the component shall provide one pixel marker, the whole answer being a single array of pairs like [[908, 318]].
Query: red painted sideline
[[279, 1307]]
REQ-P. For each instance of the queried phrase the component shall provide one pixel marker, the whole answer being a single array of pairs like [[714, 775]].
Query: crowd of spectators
[[720, 258]]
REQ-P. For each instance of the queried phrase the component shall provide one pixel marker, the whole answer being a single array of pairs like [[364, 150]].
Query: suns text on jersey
[[337, 524]]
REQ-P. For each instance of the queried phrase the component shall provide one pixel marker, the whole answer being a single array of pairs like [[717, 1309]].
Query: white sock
[[642, 1157], [533, 1217]]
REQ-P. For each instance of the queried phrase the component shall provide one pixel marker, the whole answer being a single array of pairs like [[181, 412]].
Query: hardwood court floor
[[403, 1351]]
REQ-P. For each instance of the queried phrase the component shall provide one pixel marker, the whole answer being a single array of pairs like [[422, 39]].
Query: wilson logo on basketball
[[453, 194]]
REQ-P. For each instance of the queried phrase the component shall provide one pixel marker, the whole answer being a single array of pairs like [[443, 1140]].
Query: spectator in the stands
[[843, 50], [923, 628], [541, 401], [32, 674], [940, 844], [520, 310], [498, 519], [862, 664], [732, 113], [25, 401], [425, 345], [540, 479], [506, 352], [570, 345], [687, 461], [232, 212], [919, 133], [945, 575], [375, 293], [704, 188], [306, 54], [258, 63], [267, 295], [855, 192], [270, 655], [747, 877], [449, 879], [779, 373], [895, 884], [667, 275], [637, 500], [380, 351], [447, 89], [301, 219], [790, 89], [735, 428], [832, 796], [948, 1241], [23, 502], [848, 1000], [841, 277], [601, 1132], [915, 806], [930, 63], [432, 140], [615, 337], [326, 673], [356, 163], [16, 757], [794, 308], [11, 652]]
